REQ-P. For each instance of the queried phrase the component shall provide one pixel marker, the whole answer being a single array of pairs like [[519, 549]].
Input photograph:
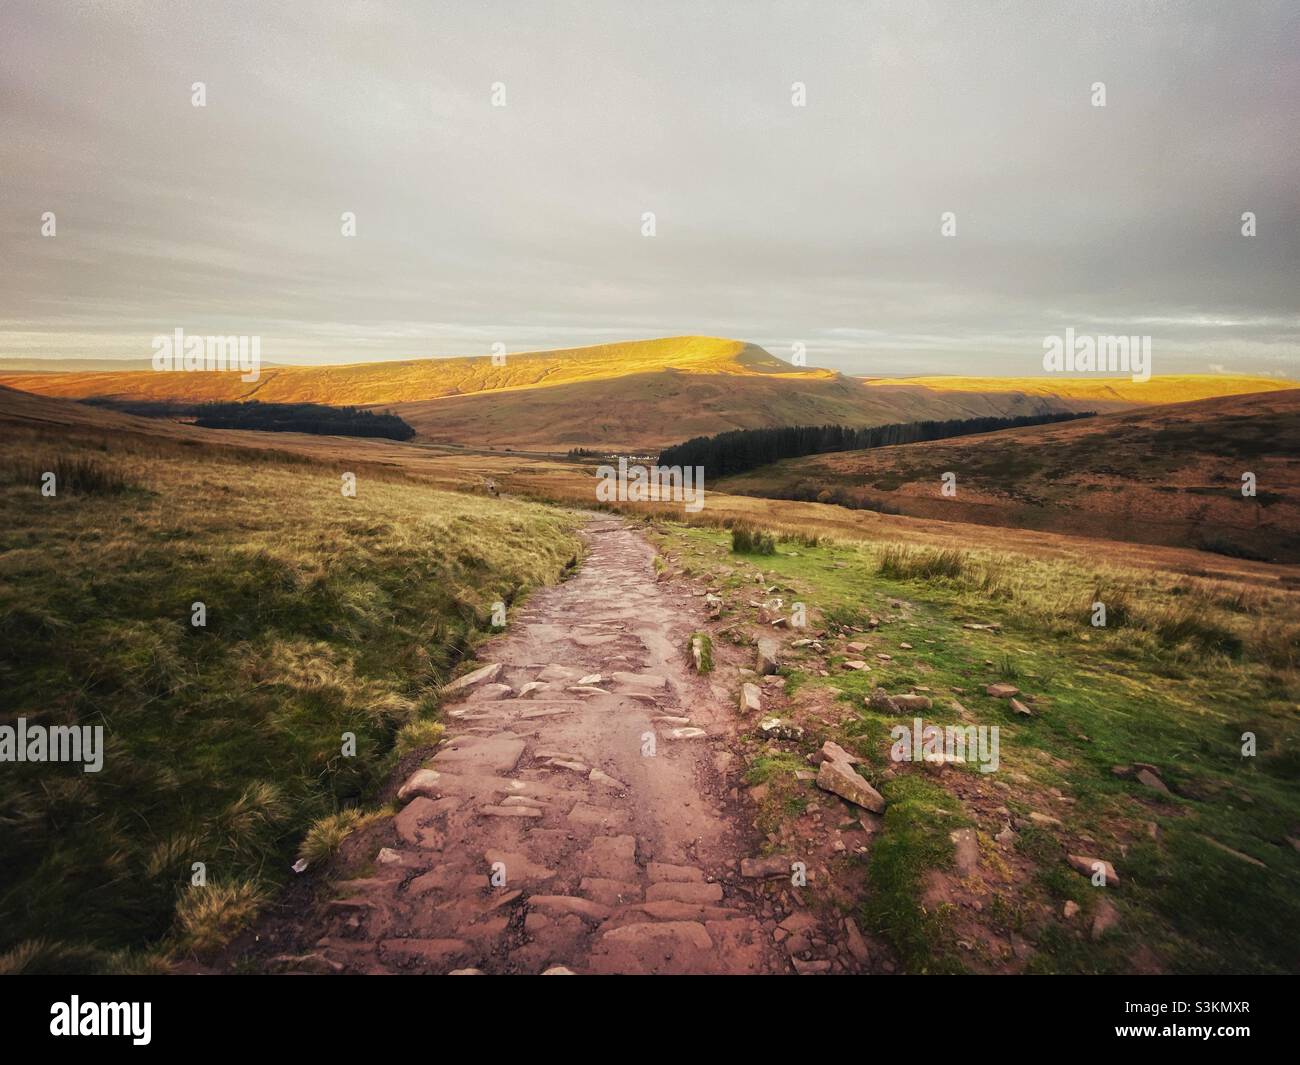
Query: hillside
[[1099, 393], [635, 395], [1166, 475], [360, 384]]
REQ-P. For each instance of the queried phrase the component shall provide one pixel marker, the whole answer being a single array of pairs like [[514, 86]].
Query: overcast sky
[[775, 223]]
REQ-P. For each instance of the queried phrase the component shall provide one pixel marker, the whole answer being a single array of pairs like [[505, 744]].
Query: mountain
[[637, 395], [1169, 475]]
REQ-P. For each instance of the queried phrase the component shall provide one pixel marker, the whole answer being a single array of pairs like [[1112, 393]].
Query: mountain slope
[[420, 379], [639, 395], [1167, 475], [1171, 388]]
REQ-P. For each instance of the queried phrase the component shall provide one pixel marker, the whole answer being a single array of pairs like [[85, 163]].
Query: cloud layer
[[775, 223]]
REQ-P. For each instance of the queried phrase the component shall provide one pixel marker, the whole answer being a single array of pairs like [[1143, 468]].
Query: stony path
[[576, 816]]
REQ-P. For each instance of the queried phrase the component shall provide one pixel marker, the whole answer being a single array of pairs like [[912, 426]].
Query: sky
[[522, 224]]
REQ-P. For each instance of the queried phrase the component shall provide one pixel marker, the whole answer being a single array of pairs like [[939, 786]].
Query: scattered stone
[[556, 674], [767, 659], [549, 755], [686, 734], [597, 777], [388, 856], [532, 688], [1045, 820], [591, 680], [1002, 691], [559, 970], [421, 782], [857, 946], [1021, 708], [835, 753], [904, 646], [1152, 780], [574, 767], [966, 851], [484, 675], [839, 777], [750, 699], [1087, 867], [640, 680], [765, 868], [855, 665], [1070, 909], [467, 972], [905, 703], [879, 700], [857, 647], [780, 729]]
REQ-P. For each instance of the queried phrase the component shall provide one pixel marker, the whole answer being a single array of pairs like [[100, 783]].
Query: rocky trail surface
[[578, 818]]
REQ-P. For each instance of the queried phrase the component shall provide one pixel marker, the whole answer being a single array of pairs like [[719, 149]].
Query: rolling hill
[[639, 395], [1168, 475]]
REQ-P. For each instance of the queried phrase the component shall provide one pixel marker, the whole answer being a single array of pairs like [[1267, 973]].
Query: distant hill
[[636, 395], [1171, 388], [1169, 475]]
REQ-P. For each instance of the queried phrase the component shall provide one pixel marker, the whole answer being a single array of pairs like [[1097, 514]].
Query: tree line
[[739, 450], [271, 417]]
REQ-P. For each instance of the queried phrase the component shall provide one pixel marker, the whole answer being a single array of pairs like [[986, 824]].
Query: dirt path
[[601, 809]]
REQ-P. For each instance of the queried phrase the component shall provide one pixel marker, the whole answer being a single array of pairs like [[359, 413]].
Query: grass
[[913, 840], [327, 834], [225, 743], [1184, 667], [748, 540]]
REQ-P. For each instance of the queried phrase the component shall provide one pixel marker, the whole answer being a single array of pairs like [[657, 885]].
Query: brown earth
[[1168, 475], [590, 826], [547, 478]]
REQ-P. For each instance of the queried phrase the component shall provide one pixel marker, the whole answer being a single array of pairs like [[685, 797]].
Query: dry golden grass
[[1168, 388], [420, 379]]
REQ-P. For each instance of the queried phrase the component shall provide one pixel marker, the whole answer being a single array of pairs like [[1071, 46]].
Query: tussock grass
[[210, 915], [908, 563], [224, 743], [417, 735], [75, 474], [327, 834], [749, 540]]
